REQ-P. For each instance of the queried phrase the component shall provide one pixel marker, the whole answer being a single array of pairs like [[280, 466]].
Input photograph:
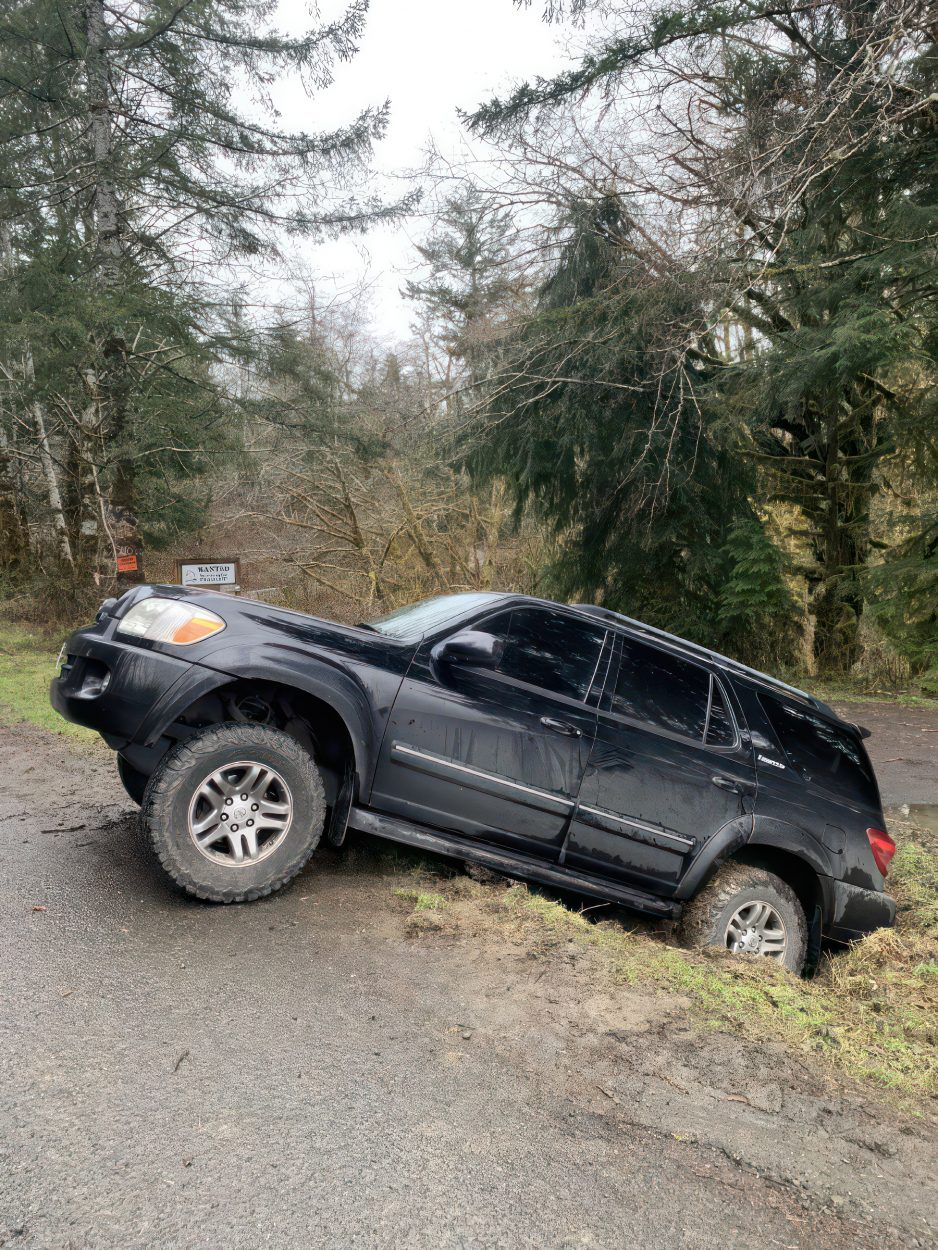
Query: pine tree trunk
[[47, 463], [14, 530], [56, 510], [842, 541], [106, 380], [17, 519], [105, 209], [838, 602]]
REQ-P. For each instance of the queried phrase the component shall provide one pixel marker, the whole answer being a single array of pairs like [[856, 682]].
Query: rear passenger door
[[668, 769]]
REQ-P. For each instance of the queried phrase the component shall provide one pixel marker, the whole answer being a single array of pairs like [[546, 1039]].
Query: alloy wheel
[[240, 813], [756, 928]]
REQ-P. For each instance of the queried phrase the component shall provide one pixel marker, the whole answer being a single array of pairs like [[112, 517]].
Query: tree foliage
[[141, 156], [598, 421], [798, 148]]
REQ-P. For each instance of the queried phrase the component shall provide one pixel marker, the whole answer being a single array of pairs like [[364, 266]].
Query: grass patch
[[871, 1011], [27, 662], [422, 900]]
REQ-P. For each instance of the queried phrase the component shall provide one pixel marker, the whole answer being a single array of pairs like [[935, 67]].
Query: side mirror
[[470, 647]]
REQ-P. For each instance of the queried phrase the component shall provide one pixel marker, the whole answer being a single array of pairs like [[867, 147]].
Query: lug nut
[[243, 797], [254, 807], [224, 815], [250, 823], [228, 802], [234, 828]]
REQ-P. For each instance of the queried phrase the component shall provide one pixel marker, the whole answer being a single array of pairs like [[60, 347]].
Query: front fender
[[195, 682], [363, 710]]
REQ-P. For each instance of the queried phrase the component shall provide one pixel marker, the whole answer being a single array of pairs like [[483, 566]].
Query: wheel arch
[[799, 858], [779, 847], [324, 720], [795, 871]]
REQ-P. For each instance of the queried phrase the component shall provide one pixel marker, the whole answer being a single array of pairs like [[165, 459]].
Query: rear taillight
[[883, 848]]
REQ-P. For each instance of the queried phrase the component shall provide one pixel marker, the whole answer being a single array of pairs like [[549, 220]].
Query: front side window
[[670, 693], [554, 652]]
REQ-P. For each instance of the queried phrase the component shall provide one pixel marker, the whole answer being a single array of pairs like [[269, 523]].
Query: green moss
[[27, 664], [423, 900]]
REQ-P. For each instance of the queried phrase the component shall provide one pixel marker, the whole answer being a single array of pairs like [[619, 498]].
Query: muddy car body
[[566, 745]]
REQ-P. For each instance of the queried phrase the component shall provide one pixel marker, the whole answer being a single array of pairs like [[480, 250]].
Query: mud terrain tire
[[165, 814], [707, 917]]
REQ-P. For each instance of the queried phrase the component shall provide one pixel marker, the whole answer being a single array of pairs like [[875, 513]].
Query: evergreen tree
[[591, 418], [808, 173], [138, 158], [469, 281]]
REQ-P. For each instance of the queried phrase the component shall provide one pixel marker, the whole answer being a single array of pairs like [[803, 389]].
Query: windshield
[[417, 619]]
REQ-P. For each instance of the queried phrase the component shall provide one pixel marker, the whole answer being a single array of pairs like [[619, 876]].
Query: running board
[[512, 864]]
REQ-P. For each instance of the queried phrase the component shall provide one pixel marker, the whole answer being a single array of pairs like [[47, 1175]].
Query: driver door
[[497, 754]]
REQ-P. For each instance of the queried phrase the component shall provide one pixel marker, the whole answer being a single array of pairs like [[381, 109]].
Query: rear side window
[[556, 653], [670, 693], [828, 754]]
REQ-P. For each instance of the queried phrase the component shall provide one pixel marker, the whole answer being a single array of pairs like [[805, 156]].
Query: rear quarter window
[[827, 754]]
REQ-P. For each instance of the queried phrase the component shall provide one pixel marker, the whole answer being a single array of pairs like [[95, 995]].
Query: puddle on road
[[925, 815]]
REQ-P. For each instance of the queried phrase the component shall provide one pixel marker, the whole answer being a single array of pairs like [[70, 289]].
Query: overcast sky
[[428, 57]]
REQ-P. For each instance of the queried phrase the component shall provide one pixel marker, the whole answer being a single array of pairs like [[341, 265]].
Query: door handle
[[561, 727], [727, 783]]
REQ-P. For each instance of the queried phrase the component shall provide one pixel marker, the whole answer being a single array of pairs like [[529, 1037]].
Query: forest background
[[668, 344]]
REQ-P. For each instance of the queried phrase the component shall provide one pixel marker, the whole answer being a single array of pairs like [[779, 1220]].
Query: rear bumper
[[855, 912]]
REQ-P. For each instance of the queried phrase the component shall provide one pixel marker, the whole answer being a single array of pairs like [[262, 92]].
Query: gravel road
[[903, 746], [298, 1073]]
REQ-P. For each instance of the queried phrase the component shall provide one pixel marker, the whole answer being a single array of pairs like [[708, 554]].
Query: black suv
[[566, 745]]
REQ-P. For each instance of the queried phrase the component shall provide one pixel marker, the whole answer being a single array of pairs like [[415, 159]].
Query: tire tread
[[698, 922], [161, 789]]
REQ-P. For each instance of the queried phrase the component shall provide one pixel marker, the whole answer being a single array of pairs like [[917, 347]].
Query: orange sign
[[126, 564]]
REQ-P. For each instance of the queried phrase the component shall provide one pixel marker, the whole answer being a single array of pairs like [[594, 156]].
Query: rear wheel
[[749, 911], [235, 811]]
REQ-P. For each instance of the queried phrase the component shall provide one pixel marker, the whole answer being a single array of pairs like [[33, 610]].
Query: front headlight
[[169, 620]]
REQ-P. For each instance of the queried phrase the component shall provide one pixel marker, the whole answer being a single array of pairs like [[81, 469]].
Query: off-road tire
[[165, 811], [132, 779], [706, 917]]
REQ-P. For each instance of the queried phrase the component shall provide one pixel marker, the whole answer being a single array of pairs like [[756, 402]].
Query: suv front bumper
[[856, 912], [116, 688]]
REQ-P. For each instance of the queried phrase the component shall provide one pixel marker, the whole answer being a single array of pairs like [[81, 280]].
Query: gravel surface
[[298, 1073], [903, 746]]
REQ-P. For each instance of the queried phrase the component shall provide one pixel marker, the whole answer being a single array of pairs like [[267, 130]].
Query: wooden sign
[[220, 574]]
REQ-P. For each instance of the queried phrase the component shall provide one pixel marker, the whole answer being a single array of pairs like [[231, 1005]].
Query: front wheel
[[234, 812], [749, 911]]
